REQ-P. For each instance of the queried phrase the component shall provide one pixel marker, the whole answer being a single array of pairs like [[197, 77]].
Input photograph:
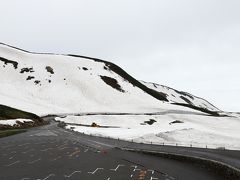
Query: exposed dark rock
[[186, 100], [6, 61], [112, 82], [150, 122], [94, 125], [205, 110], [177, 121], [37, 82], [49, 69], [185, 94], [30, 77], [23, 70], [85, 69]]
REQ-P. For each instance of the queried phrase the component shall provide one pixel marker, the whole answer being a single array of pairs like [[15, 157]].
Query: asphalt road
[[52, 153]]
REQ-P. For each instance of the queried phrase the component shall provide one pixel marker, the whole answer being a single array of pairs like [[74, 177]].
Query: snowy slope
[[181, 97], [171, 128], [50, 83]]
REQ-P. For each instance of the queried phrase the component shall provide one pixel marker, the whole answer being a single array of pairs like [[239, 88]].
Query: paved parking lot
[[48, 156], [52, 153]]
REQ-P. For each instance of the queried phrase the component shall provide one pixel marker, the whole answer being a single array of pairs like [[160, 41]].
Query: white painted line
[[46, 149], [50, 175], [135, 168], [32, 162], [95, 171], [119, 165], [25, 178], [100, 143], [86, 150], [11, 157], [56, 158], [63, 148], [27, 151], [23, 144], [151, 171], [108, 178], [152, 178], [68, 176], [12, 163]]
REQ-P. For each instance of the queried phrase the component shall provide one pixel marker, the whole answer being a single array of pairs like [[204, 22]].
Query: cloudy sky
[[190, 45]]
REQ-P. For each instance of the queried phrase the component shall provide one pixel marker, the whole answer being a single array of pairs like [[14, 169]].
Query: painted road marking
[[12, 163], [56, 158], [108, 178], [63, 148], [75, 152], [117, 167], [32, 162], [50, 175], [151, 171], [152, 178], [103, 144], [95, 171], [135, 168], [86, 150], [23, 144], [25, 178], [27, 151], [11, 157], [46, 149], [13, 152], [68, 176]]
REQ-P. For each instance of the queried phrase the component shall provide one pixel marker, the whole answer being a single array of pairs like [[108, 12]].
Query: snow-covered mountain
[[54, 83], [90, 90], [181, 97]]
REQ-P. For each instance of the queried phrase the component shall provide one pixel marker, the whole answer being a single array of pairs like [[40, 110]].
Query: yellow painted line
[[74, 153]]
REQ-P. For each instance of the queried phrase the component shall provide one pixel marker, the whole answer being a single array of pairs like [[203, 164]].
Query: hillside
[[52, 83], [14, 118], [182, 98]]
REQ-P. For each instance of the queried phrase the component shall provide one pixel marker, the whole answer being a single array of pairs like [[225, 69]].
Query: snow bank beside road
[[12, 122], [198, 130]]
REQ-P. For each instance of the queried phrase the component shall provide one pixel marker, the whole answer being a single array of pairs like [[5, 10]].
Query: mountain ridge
[[9, 54]]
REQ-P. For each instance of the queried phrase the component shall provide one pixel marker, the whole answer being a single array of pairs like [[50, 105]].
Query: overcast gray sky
[[190, 45]]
